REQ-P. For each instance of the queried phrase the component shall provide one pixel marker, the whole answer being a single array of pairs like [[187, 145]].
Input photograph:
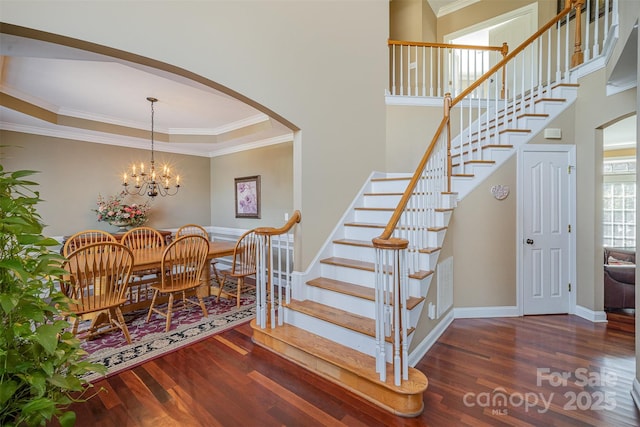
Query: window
[[619, 204]]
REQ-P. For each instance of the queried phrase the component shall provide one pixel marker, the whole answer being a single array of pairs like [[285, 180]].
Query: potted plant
[[41, 363]]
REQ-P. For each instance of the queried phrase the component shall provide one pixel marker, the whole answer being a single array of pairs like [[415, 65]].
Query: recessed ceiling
[[54, 90]]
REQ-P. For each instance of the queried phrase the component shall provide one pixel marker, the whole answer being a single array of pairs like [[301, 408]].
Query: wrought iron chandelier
[[148, 181]]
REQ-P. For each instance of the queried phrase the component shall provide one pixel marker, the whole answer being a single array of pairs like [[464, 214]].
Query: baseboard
[[481, 312], [594, 316], [421, 349], [635, 392]]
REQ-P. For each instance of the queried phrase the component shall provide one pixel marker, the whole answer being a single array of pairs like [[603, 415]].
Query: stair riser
[[358, 253], [363, 343], [474, 169], [435, 238], [359, 306], [389, 186], [381, 201], [553, 108], [362, 277], [376, 217], [362, 233], [566, 92], [536, 124], [449, 201], [348, 338]]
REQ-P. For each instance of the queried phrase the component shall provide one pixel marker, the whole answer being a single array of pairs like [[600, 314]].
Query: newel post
[[391, 315], [578, 55], [504, 52], [447, 113]]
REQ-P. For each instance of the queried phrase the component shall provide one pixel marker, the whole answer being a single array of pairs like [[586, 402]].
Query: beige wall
[[483, 235], [487, 9], [73, 174], [409, 133], [412, 20], [302, 60], [274, 164]]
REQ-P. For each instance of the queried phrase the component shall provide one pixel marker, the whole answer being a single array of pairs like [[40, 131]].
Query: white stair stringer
[[502, 146]]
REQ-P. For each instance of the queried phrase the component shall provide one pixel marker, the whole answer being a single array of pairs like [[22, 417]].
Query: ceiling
[[65, 92], [59, 91]]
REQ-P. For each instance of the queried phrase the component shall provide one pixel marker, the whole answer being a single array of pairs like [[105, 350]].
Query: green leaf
[[47, 337], [68, 419], [8, 302], [7, 389]]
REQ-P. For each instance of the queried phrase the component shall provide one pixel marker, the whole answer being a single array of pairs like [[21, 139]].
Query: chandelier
[[148, 181]]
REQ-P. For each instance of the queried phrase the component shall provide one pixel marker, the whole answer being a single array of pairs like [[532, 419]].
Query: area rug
[[149, 340]]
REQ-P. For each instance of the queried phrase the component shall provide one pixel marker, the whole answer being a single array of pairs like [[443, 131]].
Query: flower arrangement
[[115, 212]]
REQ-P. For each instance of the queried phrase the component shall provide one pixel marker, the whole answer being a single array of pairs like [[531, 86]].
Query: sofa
[[619, 279]]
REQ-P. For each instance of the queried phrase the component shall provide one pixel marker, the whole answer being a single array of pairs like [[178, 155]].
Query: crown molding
[[450, 8], [252, 145]]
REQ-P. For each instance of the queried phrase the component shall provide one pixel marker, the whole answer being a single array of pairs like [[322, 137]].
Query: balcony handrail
[[448, 45]]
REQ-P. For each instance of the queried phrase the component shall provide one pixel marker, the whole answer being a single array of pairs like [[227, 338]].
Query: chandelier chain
[[151, 183]]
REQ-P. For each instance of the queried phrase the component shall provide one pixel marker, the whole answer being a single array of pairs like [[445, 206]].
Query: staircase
[[331, 325]]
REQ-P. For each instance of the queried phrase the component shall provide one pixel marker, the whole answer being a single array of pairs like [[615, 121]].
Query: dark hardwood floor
[[527, 371]]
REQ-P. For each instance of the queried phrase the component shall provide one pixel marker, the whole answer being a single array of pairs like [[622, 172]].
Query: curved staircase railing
[[485, 115], [273, 271]]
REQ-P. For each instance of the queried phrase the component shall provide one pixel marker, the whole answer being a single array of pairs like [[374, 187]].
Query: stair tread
[[515, 130], [355, 290], [367, 266], [344, 357], [392, 178], [365, 224], [364, 208], [354, 242]]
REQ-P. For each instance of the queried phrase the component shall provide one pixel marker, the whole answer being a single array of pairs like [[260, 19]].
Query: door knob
[[529, 242]]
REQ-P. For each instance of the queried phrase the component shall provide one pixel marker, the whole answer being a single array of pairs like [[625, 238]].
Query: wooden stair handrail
[[272, 231], [447, 45], [395, 217], [397, 213], [515, 52]]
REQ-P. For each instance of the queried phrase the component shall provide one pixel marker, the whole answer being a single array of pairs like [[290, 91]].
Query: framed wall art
[[247, 191]]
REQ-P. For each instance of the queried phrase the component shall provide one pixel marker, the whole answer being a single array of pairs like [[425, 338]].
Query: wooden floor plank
[[227, 381]]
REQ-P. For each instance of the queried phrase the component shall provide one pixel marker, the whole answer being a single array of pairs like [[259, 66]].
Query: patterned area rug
[[149, 340]]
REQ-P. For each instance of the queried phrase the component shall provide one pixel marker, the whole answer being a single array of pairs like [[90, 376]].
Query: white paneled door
[[545, 202]]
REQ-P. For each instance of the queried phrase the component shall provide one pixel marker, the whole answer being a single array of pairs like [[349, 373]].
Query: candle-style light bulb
[[141, 167], [178, 180], [124, 178], [134, 170]]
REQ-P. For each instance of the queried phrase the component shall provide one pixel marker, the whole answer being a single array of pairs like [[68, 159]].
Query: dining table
[[140, 293]]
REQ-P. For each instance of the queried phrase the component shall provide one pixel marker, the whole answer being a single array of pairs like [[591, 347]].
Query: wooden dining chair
[[97, 282], [143, 238], [243, 265], [201, 231], [192, 229], [86, 237], [183, 262]]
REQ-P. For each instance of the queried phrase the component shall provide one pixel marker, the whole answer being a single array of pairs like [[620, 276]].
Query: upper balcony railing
[[433, 69], [425, 69]]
